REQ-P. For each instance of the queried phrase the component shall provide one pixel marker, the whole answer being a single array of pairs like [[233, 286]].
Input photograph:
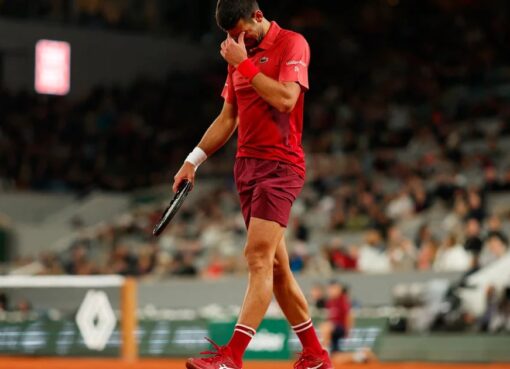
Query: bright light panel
[[52, 67]]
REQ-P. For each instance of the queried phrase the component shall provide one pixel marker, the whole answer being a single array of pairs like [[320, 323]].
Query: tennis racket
[[173, 207]]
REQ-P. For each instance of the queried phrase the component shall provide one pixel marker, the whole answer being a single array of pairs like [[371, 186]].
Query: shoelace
[[216, 354]]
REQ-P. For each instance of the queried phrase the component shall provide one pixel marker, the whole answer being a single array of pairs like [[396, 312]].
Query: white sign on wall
[[96, 320]]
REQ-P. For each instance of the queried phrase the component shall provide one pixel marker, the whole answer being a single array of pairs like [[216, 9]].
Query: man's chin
[[251, 45]]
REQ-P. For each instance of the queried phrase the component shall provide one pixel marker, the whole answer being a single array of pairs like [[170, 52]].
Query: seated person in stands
[[495, 247]]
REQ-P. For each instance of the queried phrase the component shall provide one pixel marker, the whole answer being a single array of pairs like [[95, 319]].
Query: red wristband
[[248, 69]]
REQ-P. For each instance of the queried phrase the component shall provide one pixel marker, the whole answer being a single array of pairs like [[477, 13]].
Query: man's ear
[[258, 16]]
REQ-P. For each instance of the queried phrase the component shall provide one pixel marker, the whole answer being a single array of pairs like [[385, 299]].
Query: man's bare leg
[[263, 238], [287, 292], [292, 301]]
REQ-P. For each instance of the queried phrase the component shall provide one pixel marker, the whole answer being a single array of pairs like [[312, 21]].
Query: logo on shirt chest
[[263, 60]]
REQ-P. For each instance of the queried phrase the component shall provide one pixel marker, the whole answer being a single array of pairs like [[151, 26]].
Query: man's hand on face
[[234, 52]]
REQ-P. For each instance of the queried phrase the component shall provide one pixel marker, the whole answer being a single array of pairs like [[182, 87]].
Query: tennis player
[[263, 98]]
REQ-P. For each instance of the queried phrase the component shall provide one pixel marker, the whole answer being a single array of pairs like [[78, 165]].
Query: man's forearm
[[277, 94], [217, 135]]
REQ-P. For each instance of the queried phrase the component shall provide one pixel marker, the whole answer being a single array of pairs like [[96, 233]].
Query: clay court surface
[[42, 363]]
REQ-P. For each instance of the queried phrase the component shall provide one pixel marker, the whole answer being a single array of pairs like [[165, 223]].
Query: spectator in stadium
[[422, 199], [320, 263], [401, 206], [452, 256], [427, 254], [216, 265], [475, 204], [123, 261], [341, 257], [373, 256], [494, 224], [473, 241], [454, 220], [424, 234], [298, 257], [184, 264], [79, 263], [51, 264], [495, 247], [146, 260], [401, 250]]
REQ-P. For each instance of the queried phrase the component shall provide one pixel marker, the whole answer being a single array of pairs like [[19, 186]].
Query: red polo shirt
[[264, 132]]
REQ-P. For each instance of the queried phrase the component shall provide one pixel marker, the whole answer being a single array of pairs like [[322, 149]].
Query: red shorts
[[266, 188]]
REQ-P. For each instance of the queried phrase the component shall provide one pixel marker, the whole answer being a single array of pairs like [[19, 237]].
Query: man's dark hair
[[229, 12]]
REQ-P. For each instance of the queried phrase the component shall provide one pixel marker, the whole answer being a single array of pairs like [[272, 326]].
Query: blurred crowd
[[406, 126], [113, 139], [199, 246]]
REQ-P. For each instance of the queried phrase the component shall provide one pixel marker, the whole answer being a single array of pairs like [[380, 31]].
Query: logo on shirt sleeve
[[296, 63], [263, 60]]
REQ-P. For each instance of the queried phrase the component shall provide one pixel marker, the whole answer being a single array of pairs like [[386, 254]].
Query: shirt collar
[[270, 36]]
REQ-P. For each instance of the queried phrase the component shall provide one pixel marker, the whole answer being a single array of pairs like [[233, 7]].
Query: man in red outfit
[[264, 99]]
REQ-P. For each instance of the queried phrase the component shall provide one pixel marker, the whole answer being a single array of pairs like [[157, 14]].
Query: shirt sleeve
[[228, 92], [295, 61]]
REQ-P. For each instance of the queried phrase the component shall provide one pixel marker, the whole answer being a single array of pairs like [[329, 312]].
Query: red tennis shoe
[[221, 358], [309, 360]]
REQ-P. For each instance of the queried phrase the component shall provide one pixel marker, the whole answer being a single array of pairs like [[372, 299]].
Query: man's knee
[[258, 257], [281, 273]]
